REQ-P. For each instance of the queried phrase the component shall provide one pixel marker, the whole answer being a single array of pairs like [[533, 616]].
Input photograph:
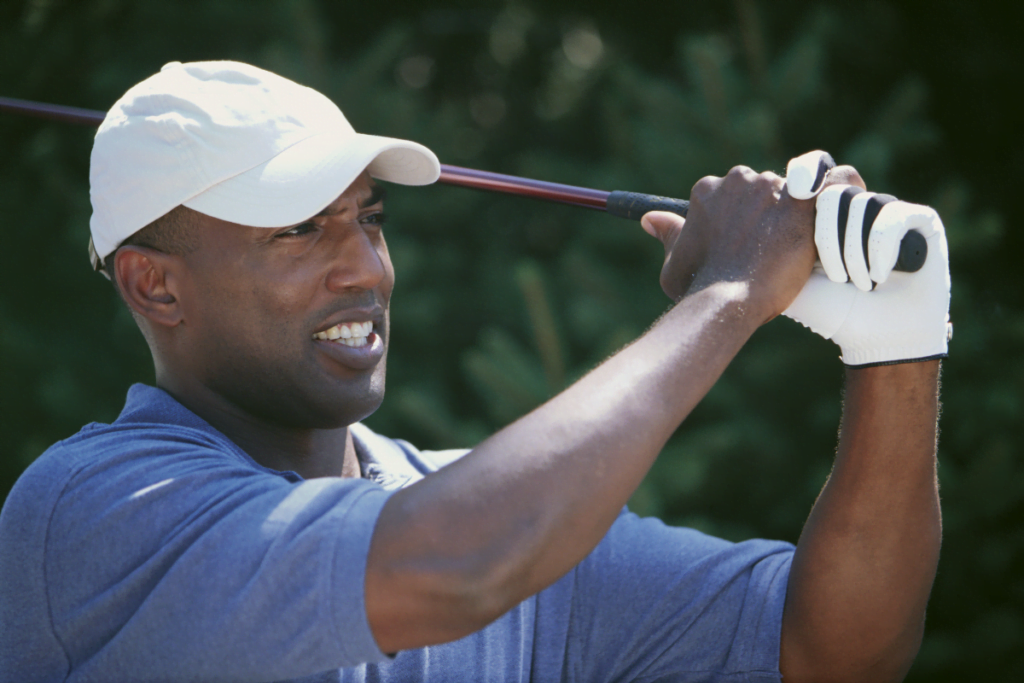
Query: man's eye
[[303, 229], [378, 218]]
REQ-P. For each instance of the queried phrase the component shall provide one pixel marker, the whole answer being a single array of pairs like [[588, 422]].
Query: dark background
[[502, 301]]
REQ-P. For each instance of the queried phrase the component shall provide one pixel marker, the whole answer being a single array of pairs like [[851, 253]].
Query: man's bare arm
[[867, 556], [460, 548]]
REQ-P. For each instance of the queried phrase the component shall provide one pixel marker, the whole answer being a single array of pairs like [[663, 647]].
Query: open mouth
[[349, 334]]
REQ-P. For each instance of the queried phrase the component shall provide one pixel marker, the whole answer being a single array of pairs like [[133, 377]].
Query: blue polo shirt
[[155, 549]]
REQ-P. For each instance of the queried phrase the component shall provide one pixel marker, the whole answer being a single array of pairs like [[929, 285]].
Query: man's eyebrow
[[377, 194]]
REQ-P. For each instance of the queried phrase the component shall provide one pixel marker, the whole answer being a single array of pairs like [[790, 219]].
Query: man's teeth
[[349, 334]]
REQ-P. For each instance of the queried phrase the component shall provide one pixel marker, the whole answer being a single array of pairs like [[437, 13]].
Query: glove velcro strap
[[938, 356]]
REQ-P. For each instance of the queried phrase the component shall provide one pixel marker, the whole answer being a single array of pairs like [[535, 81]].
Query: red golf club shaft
[[526, 187]]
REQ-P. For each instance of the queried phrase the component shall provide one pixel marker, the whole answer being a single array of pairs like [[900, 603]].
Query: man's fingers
[[833, 207], [864, 208], [806, 174], [662, 224], [894, 221], [816, 174], [810, 173], [845, 175], [667, 227]]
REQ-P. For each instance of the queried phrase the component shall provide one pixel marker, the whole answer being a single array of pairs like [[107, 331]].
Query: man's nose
[[356, 262]]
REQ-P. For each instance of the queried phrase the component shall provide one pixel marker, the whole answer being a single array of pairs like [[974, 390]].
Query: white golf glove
[[876, 315]]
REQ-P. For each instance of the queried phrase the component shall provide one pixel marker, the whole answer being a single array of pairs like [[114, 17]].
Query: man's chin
[[341, 414], [331, 402], [300, 408]]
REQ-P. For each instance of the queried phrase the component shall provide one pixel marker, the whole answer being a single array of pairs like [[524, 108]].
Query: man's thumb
[[661, 224]]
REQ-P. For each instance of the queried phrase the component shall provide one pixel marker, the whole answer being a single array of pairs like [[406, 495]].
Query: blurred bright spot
[[583, 47], [416, 71]]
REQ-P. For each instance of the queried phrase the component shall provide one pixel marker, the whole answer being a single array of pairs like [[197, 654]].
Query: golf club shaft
[[450, 175], [631, 205], [57, 112], [626, 204]]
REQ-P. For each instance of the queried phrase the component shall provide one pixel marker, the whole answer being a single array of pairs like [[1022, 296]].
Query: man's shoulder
[[102, 445], [137, 446], [75, 482]]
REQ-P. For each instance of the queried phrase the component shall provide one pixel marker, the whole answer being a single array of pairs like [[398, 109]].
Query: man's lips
[[353, 338], [362, 357]]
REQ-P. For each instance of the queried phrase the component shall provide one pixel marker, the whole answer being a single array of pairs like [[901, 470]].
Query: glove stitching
[[842, 217]]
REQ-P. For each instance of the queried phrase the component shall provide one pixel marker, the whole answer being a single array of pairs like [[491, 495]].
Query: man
[[236, 523]]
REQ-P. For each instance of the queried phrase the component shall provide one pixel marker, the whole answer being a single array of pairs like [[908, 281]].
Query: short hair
[[173, 233]]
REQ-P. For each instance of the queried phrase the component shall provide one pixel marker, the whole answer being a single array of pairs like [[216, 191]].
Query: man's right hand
[[744, 227]]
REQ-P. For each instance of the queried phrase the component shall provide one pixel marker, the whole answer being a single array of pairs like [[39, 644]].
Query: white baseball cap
[[234, 142]]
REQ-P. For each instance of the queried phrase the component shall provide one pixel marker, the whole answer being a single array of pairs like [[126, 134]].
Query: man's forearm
[[529, 503], [867, 556]]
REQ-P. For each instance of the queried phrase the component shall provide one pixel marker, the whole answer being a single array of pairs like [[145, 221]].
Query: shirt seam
[[714, 672], [69, 476], [212, 440], [783, 566], [335, 542]]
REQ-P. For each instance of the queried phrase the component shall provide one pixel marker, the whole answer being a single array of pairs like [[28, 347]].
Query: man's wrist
[[735, 299], [903, 372]]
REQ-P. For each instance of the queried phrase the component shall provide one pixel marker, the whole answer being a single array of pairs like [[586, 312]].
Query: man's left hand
[[853, 297]]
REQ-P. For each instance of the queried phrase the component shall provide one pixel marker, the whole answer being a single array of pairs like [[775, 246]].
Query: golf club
[[631, 205]]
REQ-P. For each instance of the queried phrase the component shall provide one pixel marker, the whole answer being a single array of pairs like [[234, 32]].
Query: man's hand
[[853, 296], [741, 228]]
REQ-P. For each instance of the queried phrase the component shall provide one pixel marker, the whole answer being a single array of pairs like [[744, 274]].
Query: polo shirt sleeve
[[654, 602], [176, 561]]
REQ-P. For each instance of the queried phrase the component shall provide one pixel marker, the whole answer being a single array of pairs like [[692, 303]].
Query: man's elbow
[[415, 606], [850, 660]]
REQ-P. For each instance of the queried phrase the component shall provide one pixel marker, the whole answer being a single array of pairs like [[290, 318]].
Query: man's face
[[261, 306]]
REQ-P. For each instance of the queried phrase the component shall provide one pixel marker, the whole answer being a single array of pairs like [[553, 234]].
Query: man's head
[[238, 215]]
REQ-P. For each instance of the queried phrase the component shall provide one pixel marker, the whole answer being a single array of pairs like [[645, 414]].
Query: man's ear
[[148, 282]]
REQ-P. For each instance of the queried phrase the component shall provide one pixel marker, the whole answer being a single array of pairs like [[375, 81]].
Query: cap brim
[[303, 179]]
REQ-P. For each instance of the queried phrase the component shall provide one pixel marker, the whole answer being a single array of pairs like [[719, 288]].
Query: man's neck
[[311, 453]]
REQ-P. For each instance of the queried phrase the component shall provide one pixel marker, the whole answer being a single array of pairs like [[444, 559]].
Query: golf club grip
[[633, 205]]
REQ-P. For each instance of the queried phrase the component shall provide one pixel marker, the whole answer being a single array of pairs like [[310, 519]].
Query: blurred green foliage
[[501, 302]]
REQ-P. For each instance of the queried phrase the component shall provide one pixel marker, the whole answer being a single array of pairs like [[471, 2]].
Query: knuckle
[[845, 175], [740, 171], [704, 186], [767, 187], [770, 180]]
